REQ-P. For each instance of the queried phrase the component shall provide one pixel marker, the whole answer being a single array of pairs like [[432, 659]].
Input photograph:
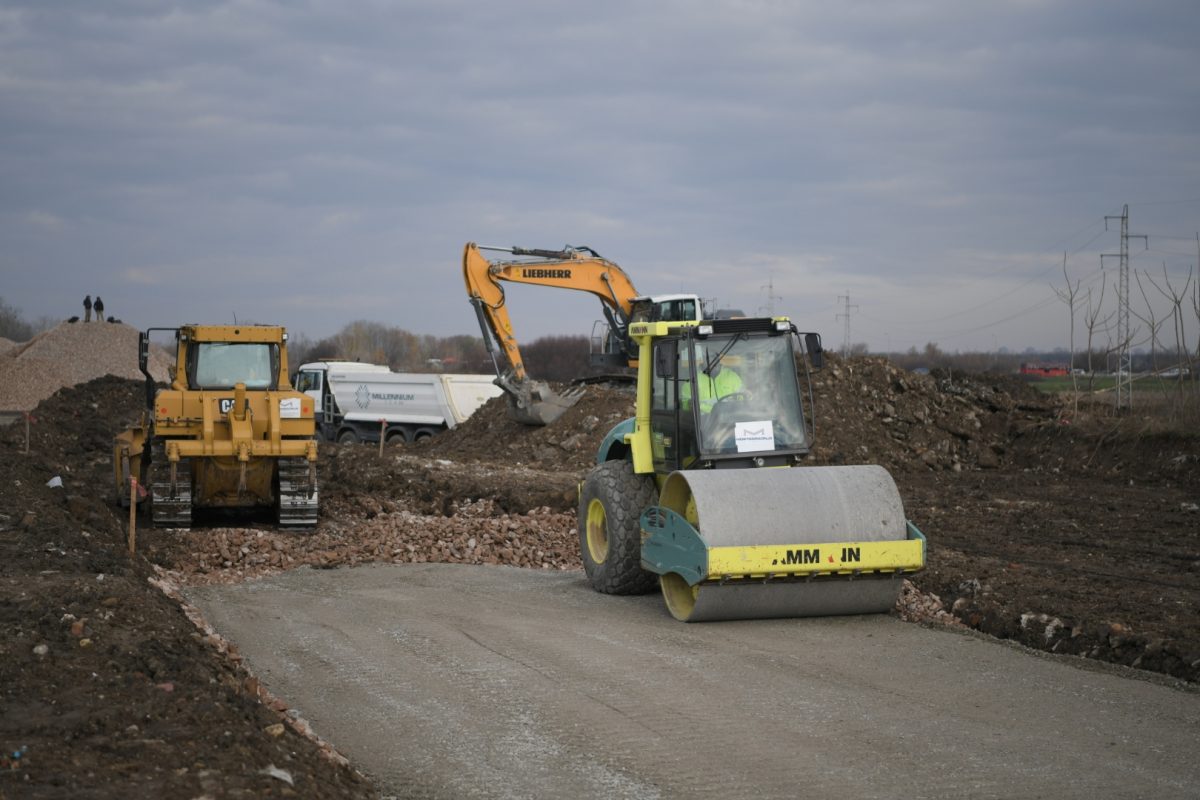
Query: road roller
[[705, 491]]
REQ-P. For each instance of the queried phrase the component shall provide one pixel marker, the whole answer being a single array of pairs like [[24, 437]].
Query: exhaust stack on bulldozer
[[229, 432], [703, 492]]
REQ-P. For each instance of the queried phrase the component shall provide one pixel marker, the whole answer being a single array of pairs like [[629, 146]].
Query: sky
[[315, 163]]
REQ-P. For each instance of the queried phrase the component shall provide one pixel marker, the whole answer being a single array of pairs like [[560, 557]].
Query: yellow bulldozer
[[229, 431], [704, 492]]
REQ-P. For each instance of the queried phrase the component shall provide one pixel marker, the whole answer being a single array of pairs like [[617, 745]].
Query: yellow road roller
[[704, 491]]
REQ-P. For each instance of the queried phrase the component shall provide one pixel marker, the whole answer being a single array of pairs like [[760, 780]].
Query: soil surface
[[1079, 535]]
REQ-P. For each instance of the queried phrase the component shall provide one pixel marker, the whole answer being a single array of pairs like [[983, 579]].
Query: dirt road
[[473, 681]]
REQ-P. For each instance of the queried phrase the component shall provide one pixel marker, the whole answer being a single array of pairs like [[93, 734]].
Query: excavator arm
[[581, 269]]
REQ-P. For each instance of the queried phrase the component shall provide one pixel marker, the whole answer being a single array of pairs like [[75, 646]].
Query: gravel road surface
[[451, 681]]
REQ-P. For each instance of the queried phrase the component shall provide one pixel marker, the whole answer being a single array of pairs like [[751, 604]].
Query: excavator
[[705, 492], [531, 401]]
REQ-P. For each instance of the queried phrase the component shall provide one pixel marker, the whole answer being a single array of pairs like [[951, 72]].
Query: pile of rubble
[[868, 411], [70, 354], [477, 532], [570, 442]]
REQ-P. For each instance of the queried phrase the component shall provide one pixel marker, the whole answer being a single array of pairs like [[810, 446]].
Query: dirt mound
[[872, 412], [867, 412], [110, 691], [570, 442], [69, 354]]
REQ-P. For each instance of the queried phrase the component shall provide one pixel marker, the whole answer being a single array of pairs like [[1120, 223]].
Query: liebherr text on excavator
[[582, 269]]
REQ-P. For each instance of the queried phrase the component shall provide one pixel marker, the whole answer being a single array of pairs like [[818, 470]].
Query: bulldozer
[[531, 401], [706, 492], [229, 432]]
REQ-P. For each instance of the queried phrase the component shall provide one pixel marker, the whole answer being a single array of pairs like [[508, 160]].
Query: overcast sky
[[313, 163]]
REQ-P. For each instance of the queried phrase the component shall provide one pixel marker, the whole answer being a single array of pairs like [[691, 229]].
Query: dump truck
[[357, 402], [706, 493], [582, 269], [228, 432]]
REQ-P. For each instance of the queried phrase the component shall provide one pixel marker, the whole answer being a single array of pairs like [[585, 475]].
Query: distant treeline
[[554, 358], [15, 327], [933, 357]]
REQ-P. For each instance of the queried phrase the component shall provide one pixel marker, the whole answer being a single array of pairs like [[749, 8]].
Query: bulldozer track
[[170, 509], [297, 507]]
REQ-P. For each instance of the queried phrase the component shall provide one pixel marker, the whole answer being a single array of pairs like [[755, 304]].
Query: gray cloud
[[317, 163]]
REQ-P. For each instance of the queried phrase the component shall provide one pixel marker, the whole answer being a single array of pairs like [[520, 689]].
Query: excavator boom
[[577, 268]]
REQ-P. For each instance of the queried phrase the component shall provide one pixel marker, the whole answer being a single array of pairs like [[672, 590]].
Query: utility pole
[[771, 296], [846, 315], [1124, 386]]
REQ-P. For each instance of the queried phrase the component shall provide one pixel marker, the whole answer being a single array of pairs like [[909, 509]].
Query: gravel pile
[[477, 533], [70, 354]]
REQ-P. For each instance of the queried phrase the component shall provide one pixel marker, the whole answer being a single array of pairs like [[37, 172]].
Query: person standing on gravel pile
[[87, 308], [99, 306]]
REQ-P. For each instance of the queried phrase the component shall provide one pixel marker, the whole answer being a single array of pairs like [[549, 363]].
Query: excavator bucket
[[535, 403]]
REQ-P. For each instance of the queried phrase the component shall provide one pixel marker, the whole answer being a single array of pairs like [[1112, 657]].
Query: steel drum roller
[[797, 506]]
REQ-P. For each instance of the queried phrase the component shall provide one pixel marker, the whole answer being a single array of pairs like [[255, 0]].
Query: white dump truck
[[357, 402]]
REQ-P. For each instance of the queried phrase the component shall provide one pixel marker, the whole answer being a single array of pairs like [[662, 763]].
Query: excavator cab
[[610, 343]]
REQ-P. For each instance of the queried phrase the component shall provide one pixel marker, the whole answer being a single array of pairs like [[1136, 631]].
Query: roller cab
[[705, 494]]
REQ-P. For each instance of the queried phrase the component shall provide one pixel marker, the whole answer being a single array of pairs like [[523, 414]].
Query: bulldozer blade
[[538, 404]]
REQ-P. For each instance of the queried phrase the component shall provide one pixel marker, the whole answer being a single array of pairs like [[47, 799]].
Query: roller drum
[[801, 505]]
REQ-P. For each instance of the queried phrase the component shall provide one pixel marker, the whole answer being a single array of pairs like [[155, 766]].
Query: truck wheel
[[610, 537], [347, 437], [396, 436], [422, 434]]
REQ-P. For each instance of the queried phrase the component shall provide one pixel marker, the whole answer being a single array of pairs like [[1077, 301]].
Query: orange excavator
[[531, 401]]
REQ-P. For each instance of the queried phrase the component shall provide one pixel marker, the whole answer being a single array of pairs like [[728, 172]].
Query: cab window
[[222, 365]]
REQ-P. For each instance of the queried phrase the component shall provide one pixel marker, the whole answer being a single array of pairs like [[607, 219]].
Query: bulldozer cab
[[726, 394]]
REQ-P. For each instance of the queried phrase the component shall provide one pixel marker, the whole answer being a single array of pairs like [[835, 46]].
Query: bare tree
[[1092, 321], [1067, 295], [1196, 309], [1176, 297], [1151, 320]]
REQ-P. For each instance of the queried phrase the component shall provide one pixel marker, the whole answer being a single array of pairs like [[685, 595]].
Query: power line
[[1010, 292], [846, 314], [1166, 202], [1124, 388]]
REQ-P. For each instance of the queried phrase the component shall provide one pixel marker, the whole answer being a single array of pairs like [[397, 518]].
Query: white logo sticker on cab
[[289, 408]]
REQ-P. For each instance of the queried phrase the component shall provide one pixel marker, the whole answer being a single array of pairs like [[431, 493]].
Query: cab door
[[664, 406], [672, 418]]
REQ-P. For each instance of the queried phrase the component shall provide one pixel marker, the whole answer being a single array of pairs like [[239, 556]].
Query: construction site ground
[[1072, 534]]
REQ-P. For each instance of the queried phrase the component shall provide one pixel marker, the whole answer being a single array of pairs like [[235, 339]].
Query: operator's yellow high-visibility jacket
[[712, 388]]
